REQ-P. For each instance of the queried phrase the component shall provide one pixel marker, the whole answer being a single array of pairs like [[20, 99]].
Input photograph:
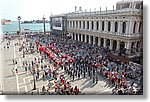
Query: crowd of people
[[80, 60], [85, 60]]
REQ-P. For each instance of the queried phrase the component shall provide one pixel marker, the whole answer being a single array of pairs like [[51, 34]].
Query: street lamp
[[44, 24], [19, 18]]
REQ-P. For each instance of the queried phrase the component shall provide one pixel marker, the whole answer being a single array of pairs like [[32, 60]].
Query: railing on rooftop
[[104, 12]]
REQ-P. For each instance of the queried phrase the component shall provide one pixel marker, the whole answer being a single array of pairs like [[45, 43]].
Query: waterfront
[[13, 28]]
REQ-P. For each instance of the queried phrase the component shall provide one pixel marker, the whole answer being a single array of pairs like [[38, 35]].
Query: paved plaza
[[22, 83]]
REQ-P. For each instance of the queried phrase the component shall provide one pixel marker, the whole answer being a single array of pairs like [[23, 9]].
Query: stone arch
[[103, 25], [122, 48], [108, 42], [83, 36], [102, 42], [80, 24], [79, 37], [92, 23], [116, 26], [140, 27], [96, 40], [88, 25], [109, 26], [76, 36], [114, 45], [97, 25], [134, 28], [91, 39], [123, 27]]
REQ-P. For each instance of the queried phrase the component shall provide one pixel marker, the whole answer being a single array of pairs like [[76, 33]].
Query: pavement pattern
[[22, 83]]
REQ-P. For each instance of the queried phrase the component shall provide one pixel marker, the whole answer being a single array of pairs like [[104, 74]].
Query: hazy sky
[[35, 9]]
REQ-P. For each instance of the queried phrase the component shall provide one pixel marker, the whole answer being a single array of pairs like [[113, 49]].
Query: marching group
[[81, 60]]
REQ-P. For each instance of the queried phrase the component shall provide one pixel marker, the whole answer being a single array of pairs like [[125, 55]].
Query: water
[[14, 27]]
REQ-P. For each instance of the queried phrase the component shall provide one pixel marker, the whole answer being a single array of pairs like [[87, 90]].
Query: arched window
[[140, 27], [76, 24], [109, 25], [124, 27], [97, 25], [92, 25], [103, 26], [80, 23], [134, 27], [83, 24], [87, 24], [116, 26]]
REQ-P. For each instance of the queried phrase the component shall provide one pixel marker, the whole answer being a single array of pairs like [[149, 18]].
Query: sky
[[35, 9]]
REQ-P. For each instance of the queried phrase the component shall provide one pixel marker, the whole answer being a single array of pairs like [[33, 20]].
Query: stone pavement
[[22, 83]]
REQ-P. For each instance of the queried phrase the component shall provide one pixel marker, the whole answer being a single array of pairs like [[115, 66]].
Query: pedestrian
[[16, 71]]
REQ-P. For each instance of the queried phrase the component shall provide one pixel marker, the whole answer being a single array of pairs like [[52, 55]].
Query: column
[[75, 26], [119, 26], [100, 25], [95, 25], [82, 24], [118, 45], [68, 24], [90, 25], [128, 47], [127, 28], [99, 41], [74, 36], [137, 27], [104, 42], [85, 25], [89, 39], [78, 37], [131, 25], [106, 26], [81, 37], [111, 44], [93, 40], [112, 26], [78, 25]]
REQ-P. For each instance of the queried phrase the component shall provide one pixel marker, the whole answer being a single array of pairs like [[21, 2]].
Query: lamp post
[[44, 24], [19, 18]]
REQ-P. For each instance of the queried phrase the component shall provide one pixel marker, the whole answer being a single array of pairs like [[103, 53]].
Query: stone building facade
[[116, 29]]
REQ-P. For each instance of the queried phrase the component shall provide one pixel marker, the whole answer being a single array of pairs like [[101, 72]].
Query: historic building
[[116, 29]]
